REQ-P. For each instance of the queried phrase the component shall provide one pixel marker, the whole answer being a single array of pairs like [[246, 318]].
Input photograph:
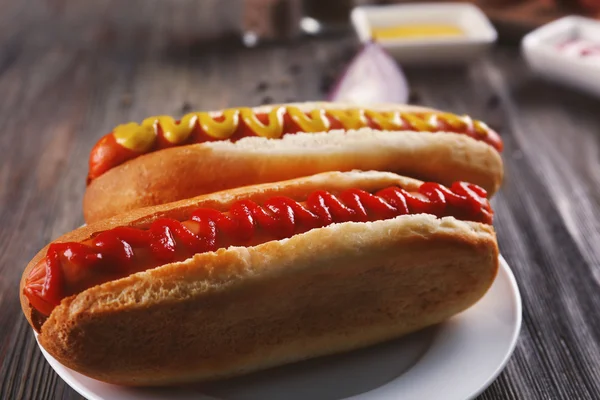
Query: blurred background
[[71, 70], [228, 35]]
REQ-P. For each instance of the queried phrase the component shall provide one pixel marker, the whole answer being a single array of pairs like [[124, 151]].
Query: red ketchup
[[72, 267], [582, 48]]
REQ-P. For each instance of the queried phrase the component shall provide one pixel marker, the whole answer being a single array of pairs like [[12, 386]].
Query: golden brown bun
[[298, 189], [181, 172], [242, 309]]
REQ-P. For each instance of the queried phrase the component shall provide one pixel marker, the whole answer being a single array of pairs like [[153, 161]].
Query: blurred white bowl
[[478, 32], [543, 55]]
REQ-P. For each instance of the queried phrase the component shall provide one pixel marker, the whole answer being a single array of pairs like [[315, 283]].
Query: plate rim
[[67, 375], [512, 280]]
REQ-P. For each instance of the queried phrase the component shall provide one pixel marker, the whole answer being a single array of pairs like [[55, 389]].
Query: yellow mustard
[[387, 120], [416, 31], [219, 130], [352, 118], [172, 131], [141, 137], [272, 129], [315, 121]]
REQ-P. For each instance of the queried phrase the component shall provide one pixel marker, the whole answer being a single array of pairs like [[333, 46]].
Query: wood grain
[[70, 70]]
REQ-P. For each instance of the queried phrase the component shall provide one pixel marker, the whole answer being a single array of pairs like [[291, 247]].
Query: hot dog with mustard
[[162, 159]]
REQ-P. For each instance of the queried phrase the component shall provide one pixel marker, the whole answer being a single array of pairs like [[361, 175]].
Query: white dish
[[454, 360], [479, 33], [540, 50]]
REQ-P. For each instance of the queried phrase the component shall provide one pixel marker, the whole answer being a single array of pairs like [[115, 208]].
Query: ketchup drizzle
[[72, 267]]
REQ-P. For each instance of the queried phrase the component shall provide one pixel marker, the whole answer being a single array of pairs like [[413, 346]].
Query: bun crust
[[299, 189], [241, 309], [181, 172]]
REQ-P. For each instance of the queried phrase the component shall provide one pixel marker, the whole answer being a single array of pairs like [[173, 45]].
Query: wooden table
[[70, 71]]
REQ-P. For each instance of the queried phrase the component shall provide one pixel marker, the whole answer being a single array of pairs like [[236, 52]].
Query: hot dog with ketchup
[[259, 276], [162, 160]]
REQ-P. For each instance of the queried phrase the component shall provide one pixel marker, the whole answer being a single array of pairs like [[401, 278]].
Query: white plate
[[542, 55], [454, 360], [479, 33]]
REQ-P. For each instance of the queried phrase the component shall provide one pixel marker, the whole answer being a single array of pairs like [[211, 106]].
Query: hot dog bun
[[241, 309], [185, 171]]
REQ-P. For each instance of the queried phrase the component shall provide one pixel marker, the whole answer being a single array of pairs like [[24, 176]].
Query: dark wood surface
[[70, 71]]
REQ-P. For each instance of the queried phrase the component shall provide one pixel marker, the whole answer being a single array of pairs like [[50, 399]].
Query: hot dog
[[162, 160], [259, 276]]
